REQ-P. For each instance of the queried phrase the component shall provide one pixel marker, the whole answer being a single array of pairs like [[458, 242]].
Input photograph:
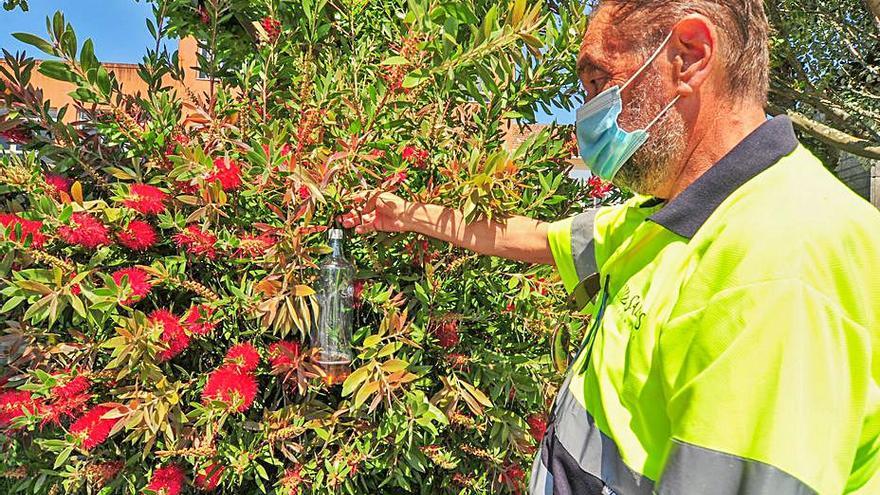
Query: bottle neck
[[336, 246]]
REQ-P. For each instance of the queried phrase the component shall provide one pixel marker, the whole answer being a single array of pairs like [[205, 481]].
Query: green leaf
[[354, 380], [62, 457], [57, 70], [396, 60], [35, 41], [365, 392]]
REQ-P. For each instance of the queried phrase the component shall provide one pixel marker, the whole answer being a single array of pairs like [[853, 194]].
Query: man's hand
[[517, 238], [383, 211]]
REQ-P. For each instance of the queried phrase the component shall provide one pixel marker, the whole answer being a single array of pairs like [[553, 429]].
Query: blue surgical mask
[[604, 146]]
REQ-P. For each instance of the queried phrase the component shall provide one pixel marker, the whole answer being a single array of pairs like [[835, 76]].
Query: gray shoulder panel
[[582, 247]]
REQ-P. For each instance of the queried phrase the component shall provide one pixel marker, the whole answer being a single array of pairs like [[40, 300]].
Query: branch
[[831, 136], [874, 7]]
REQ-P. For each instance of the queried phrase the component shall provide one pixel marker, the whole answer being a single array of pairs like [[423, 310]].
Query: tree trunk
[[874, 7]]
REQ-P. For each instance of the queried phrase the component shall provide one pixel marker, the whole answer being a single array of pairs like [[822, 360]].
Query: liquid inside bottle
[[332, 333]]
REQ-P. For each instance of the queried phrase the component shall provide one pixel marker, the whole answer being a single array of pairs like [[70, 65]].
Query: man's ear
[[693, 48]]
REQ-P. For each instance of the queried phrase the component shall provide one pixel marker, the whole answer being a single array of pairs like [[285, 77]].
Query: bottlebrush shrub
[[157, 258]]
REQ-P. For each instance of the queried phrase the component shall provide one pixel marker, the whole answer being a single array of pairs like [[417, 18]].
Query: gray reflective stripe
[[582, 248], [595, 452], [542, 481], [693, 470]]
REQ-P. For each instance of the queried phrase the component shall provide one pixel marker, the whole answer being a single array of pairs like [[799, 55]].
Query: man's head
[[716, 59]]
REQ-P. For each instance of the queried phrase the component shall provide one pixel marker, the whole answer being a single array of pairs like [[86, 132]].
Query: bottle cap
[[334, 234]]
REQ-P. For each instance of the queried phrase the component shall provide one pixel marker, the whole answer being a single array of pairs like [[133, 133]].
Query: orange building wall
[[57, 92]]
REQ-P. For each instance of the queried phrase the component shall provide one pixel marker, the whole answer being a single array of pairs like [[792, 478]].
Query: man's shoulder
[[798, 202]]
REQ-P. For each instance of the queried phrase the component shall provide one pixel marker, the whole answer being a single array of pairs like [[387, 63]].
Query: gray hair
[[744, 32]]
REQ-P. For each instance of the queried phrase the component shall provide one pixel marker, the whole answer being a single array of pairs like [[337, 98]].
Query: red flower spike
[[209, 477], [85, 230], [196, 241], [168, 480], [227, 172], [243, 357], [29, 228], [513, 474], [145, 199], [272, 27], [357, 295], [173, 334], [598, 187], [57, 184], [138, 236], [537, 426], [235, 388], [415, 156], [198, 320], [15, 403], [447, 334], [138, 281], [92, 428], [69, 400]]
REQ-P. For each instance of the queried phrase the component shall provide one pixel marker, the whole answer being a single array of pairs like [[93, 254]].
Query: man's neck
[[715, 134]]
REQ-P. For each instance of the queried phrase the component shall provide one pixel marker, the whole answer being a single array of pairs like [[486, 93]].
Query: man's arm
[[518, 238]]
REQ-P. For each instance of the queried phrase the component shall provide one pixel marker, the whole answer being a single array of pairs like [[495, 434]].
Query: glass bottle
[[332, 334]]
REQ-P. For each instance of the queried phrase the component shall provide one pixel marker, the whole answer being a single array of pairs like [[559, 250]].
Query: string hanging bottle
[[332, 334]]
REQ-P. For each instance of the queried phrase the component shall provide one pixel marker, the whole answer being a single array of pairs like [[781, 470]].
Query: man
[[737, 314]]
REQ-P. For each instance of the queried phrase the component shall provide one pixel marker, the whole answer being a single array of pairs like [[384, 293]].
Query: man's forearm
[[518, 238]]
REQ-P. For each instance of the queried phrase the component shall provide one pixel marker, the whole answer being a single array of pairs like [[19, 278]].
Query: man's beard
[[653, 163]]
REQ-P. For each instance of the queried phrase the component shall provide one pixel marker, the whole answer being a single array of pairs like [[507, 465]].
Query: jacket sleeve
[[767, 386], [571, 242]]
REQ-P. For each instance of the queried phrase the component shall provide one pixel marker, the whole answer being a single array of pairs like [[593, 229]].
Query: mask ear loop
[[663, 112], [647, 62]]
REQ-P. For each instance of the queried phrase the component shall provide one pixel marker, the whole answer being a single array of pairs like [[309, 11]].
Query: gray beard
[[653, 163]]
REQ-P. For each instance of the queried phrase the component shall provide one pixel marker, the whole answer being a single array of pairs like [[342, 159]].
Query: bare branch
[[831, 136]]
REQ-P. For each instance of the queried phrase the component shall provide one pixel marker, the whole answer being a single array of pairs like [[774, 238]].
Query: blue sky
[[117, 27]]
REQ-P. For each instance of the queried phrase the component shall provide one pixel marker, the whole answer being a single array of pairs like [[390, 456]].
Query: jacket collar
[[765, 146]]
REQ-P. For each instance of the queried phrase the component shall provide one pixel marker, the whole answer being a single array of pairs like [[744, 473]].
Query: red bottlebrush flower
[[197, 241], [204, 17], [208, 478], [272, 27], [227, 172], [513, 474], [415, 156], [29, 228], [15, 403], [447, 334], [511, 307], [74, 386], [198, 320], [232, 386], [251, 246], [138, 236], [145, 199], [57, 184], [304, 192], [357, 294], [598, 187], [283, 353], [457, 360], [86, 231], [167, 480], [102, 473], [67, 400], [243, 357], [92, 428], [537, 426], [171, 147], [292, 480], [173, 334], [138, 281], [75, 289]]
